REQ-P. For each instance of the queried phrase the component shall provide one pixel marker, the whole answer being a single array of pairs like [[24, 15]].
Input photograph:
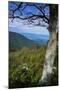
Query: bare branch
[[29, 17], [41, 12], [22, 6]]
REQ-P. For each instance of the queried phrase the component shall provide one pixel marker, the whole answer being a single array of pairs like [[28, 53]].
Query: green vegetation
[[17, 41], [26, 66], [26, 61]]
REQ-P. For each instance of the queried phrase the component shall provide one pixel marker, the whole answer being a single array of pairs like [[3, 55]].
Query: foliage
[[17, 41], [25, 66]]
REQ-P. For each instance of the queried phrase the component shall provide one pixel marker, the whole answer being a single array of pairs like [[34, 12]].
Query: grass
[[25, 66]]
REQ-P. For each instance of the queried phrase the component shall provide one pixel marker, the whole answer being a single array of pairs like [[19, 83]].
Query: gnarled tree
[[48, 14]]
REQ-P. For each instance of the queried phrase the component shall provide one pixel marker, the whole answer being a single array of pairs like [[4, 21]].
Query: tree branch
[[28, 17], [21, 6]]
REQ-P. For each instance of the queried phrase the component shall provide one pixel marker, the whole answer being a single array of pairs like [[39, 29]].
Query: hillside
[[17, 40], [38, 38], [34, 36]]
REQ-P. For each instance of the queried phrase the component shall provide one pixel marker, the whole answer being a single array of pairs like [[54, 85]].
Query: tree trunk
[[49, 58], [51, 48]]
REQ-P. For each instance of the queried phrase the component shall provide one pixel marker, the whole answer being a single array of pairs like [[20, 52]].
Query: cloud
[[19, 26]]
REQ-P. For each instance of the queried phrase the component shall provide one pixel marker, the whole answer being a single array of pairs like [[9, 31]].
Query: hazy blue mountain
[[36, 36], [17, 40], [40, 39]]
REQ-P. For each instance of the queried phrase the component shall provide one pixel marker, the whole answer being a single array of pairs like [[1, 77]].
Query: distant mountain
[[39, 39], [17, 40], [35, 36]]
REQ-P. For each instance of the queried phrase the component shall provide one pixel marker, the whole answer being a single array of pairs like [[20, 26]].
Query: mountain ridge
[[17, 41], [35, 36]]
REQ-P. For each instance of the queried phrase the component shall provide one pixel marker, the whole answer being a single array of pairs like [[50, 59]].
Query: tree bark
[[49, 58], [51, 48]]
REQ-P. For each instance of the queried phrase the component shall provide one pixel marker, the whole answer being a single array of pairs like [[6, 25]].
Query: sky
[[20, 26]]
